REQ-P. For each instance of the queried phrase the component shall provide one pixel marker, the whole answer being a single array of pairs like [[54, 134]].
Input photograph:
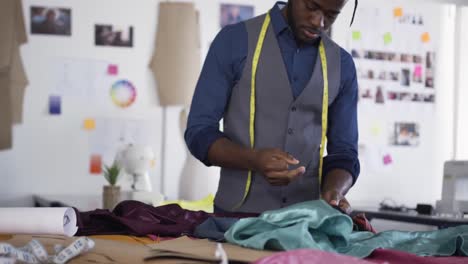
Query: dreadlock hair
[[354, 12]]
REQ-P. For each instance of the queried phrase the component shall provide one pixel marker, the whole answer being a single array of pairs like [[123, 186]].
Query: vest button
[[290, 131], [293, 109], [285, 200]]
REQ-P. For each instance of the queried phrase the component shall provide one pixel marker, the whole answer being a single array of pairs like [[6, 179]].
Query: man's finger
[[286, 157], [345, 206], [277, 165], [292, 174]]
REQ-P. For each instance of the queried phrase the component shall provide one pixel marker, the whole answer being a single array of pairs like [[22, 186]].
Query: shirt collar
[[277, 19]]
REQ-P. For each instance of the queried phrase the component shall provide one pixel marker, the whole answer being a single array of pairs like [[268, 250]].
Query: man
[[266, 78]]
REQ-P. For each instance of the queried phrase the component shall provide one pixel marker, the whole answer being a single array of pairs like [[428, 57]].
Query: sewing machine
[[454, 190]]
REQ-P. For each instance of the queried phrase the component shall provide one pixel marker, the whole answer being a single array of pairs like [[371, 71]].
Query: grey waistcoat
[[293, 125]]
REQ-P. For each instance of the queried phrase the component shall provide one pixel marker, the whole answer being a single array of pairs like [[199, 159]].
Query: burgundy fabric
[[379, 256], [362, 224], [140, 219]]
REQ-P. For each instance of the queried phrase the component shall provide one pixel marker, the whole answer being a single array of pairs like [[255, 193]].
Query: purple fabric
[[139, 219], [379, 256]]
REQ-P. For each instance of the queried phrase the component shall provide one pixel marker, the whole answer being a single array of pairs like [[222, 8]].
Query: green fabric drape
[[316, 225]]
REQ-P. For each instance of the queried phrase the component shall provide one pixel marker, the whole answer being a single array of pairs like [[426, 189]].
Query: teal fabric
[[316, 225]]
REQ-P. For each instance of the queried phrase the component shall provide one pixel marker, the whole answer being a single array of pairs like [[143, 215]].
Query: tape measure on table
[[256, 58], [35, 253]]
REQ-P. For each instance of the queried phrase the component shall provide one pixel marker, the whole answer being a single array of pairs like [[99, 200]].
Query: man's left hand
[[335, 198], [334, 188]]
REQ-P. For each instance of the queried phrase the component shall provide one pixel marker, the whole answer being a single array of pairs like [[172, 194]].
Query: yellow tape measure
[[256, 57]]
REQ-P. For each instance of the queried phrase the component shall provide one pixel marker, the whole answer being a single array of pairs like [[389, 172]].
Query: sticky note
[[387, 159], [89, 124], [112, 69], [418, 70], [95, 164], [388, 38], [398, 12], [425, 37], [356, 35], [375, 130], [55, 105]]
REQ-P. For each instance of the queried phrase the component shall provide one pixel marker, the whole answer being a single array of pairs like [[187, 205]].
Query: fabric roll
[[176, 59]]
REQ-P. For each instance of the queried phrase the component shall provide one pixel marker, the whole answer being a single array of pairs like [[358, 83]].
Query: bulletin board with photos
[[395, 67]]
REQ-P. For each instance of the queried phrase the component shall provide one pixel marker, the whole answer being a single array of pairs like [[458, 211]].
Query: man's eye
[[311, 6]]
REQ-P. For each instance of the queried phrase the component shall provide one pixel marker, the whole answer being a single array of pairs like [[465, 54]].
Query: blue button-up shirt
[[223, 69]]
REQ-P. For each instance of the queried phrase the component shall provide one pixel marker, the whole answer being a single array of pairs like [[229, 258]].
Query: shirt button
[[293, 109], [295, 79], [290, 131]]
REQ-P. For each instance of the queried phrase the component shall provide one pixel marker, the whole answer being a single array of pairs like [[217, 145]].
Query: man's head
[[307, 18]]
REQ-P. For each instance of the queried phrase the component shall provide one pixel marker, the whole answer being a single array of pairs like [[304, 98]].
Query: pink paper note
[[112, 69]]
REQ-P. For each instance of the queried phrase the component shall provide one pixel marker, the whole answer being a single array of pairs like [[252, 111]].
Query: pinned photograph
[[405, 77], [405, 134], [392, 96], [232, 14], [429, 98], [110, 35], [366, 94], [379, 96], [50, 21], [406, 58], [355, 54], [394, 76], [429, 81]]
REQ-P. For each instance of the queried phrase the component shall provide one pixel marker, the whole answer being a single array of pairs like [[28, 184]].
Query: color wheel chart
[[123, 93]]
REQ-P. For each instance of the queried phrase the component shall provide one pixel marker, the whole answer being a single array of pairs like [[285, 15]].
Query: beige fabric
[[13, 79], [18, 83], [176, 61], [7, 18], [6, 137]]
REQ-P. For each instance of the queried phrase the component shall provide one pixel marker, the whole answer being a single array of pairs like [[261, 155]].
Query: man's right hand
[[274, 165]]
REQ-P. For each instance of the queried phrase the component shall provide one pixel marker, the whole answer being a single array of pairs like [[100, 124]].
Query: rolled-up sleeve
[[342, 135], [219, 74]]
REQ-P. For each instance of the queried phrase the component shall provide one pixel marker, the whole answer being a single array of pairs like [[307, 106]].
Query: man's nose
[[317, 18]]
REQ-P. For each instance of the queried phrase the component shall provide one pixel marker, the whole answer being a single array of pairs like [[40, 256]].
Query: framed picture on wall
[[405, 134], [111, 35], [232, 14], [51, 20]]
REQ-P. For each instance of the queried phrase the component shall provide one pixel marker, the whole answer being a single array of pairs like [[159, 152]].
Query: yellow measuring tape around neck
[[256, 57]]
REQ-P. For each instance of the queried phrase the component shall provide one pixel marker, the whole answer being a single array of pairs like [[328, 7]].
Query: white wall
[[416, 174], [51, 154], [462, 93]]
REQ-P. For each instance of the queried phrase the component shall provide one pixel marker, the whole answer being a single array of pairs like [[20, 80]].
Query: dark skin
[[306, 19]]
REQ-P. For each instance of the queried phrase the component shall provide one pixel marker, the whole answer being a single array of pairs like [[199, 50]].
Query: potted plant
[[111, 192]]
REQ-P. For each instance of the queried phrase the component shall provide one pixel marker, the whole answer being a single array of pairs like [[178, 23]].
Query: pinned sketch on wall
[[111, 35], [51, 20], [81, 78], [405, 134], [111, 134], [123, 93], [232, 14], [55, 105]]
